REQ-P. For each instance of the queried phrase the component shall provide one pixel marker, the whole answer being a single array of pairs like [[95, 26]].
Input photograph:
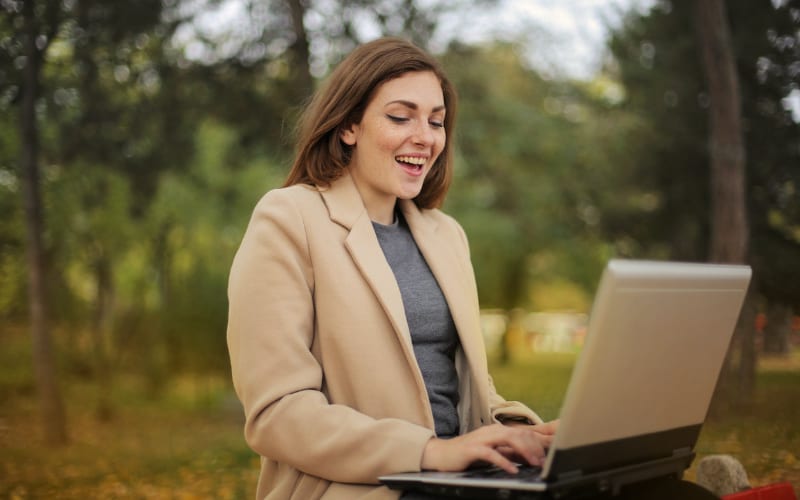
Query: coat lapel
[[453, 276], [346, 209], [454, 279]]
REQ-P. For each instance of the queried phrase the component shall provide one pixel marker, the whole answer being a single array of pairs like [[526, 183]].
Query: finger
[[510, 454], [546, 440], [549, 428], [496, 458], [524, 443], [521, 443]]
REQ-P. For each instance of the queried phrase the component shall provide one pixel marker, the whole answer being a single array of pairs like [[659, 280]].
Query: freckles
[[440, 145], [391, 139]]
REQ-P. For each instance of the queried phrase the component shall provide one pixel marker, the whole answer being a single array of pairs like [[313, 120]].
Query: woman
[[354, 330]]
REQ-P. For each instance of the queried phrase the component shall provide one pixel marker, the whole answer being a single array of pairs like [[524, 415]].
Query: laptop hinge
[[681, 451]]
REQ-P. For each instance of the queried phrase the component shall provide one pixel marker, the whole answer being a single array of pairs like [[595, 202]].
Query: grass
[[188, 443], [765, 437], [178, 447]]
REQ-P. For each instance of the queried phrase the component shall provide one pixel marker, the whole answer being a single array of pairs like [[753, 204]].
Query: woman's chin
[[409, 195], [409, 192]]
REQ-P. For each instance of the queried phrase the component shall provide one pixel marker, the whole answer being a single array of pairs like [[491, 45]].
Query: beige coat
[[320, 348]]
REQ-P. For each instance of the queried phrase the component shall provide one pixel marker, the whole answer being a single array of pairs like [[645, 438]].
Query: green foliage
[[659, 66], [657, 61], [532, 152], [152, 163], [198, 218], [12, 256]]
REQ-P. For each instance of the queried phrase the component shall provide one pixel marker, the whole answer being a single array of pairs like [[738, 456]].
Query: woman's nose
[[423, 134]]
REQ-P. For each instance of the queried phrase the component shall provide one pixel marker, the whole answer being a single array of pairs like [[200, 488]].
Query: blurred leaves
[[656, 61], [160, 130]]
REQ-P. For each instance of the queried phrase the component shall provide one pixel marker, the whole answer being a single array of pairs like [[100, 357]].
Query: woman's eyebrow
[[413, 105]]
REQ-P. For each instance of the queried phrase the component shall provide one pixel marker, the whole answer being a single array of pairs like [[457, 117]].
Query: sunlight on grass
[[180, 446], [186, 441], [538, 380], [766, 436]]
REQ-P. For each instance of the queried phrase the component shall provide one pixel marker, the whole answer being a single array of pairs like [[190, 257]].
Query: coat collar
[[343, 201], [453, 276], [346, 209]]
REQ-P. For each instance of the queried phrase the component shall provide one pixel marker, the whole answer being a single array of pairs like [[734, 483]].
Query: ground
[[187, 443]]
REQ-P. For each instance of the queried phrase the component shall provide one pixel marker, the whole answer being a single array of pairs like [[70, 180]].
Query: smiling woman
[[322, 150], [354, 327], [397, 142]]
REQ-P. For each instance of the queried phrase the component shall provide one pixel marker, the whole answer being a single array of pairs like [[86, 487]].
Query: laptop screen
[[657, 337]]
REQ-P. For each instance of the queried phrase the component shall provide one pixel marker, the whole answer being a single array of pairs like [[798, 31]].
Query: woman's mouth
[[412, 164]]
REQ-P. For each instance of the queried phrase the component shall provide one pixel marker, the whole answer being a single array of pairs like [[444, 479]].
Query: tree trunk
[[778, 329], [301, 54], [102, 328], [51, 405], [157, 362], [729, 226]]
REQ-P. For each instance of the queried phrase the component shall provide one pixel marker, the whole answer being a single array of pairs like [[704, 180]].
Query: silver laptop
[[639, 393]]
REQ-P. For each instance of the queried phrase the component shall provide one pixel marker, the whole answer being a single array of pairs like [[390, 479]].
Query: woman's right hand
[[490, 444]]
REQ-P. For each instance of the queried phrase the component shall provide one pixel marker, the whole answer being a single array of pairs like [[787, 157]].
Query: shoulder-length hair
[[321, 156]]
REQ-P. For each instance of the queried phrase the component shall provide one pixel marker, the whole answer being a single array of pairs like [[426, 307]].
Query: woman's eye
[[404, 119], [397, 119]]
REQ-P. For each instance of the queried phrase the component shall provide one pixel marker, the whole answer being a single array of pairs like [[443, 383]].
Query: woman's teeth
[[413, 160]]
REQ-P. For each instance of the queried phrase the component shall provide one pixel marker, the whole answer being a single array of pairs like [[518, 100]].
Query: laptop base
[[609, 482]]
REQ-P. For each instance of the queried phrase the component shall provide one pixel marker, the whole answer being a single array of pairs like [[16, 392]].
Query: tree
[[39, 28], [258, 71], [770, 75], [777, 329], [528, 152], [301, 55], [729, 226], [98, 84], [656, 57]]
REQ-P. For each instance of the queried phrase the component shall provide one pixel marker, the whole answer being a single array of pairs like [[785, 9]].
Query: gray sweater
[[433, 332]]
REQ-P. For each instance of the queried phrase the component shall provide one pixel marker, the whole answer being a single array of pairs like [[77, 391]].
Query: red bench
[[777, 491]]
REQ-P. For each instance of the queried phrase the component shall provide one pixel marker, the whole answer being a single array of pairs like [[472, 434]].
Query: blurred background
[[137, 135]]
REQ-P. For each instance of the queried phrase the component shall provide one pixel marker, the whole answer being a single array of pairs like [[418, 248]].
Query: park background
[[137, 135]]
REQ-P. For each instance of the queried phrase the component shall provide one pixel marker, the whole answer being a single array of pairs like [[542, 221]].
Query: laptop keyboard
[[526, 473]]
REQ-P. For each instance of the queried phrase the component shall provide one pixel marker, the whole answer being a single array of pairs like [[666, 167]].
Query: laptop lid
[[657, 337]]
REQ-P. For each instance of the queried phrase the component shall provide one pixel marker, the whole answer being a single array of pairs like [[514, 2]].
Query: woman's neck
[[379, 208], [382, 215]]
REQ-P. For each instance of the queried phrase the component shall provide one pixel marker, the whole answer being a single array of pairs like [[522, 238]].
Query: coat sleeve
[[276, 375], [503, 410]]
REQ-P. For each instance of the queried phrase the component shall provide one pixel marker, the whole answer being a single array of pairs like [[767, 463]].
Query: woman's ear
[[348, 135]]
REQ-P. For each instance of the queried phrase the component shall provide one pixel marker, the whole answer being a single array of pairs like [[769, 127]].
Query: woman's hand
[[493, 444], [547, 428]]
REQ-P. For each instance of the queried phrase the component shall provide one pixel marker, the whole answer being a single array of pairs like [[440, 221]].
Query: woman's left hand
[[546, 432]]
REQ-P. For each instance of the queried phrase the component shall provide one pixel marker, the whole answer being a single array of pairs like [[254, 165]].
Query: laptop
[[640, 390]]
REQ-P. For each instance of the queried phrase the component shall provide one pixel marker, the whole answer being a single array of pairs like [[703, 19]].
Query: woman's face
[[397, 141]]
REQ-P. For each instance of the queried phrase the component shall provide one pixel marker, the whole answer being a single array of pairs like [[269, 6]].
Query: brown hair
[[321, 155]]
